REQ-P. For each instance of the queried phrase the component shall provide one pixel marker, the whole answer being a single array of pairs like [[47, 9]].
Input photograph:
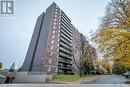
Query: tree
[[1, 65], [12, 67], [113, 36], [107, 65]]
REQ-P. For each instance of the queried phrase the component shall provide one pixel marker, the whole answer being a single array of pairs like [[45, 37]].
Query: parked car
[[127, 74]]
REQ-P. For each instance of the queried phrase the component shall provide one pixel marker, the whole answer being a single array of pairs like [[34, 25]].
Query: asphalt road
[[108, 79]]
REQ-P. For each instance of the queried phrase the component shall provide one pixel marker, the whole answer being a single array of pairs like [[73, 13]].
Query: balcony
[[65, 21], [65, 46], [62, 13], [68, 48], [65, 39], [66, 27], [65, 42], [64, 68], [63, 60], [66, 51], [65, 55], [66, 30], [66, 34]]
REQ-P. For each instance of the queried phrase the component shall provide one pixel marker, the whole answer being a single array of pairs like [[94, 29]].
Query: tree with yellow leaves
[[113, 36], [107, 65]]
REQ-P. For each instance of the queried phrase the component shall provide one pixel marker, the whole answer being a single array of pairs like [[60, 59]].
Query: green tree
[[1, 65], [12, 67]]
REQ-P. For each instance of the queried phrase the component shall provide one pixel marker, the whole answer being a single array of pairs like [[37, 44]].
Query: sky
[[16, 31]]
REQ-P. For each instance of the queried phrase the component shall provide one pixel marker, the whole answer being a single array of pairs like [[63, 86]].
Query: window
[[50, 53], [56, 9], [56, 12], [58, 40], [56, 6], [55, 15], [49, 68], [53, 36], [52, 47], [49, 61], [54, 27], [52, 41], [55, 19], [54, 31], [56, 70], [54, 23]]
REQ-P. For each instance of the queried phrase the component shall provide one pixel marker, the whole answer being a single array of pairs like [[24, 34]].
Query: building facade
[[55, 44]]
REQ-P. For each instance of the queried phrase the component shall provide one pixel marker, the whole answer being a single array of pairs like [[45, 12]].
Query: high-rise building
[[55, 44]]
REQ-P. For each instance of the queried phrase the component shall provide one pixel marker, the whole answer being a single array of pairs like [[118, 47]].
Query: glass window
[[49, 68], [55, 15], [49, 61], [55, 12], [56, 9], [55, 19], [54, 31], [52, 41], [50, 53], [54, 27], [53, 36], [52, 47], [54, 23]]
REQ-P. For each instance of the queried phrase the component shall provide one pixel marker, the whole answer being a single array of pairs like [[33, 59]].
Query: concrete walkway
[[76, 82], [87, 79]]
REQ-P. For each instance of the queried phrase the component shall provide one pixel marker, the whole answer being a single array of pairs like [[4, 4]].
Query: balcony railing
[[62, 13], [63, 35], [66, 27], [65, 55], [66, 34], [65, 21], [64, 41], [63, 60], [66, 30], [65, 50], [66, 46], [62, 67]]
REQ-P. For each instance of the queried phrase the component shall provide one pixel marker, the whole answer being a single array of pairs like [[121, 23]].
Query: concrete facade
[[25, 77]]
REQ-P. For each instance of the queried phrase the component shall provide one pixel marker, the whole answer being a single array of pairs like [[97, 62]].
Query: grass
[[69, 78]]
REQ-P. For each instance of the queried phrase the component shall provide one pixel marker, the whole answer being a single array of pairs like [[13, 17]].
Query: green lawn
[[69, 78]]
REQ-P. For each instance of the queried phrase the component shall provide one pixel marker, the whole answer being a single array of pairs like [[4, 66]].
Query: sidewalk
[[76, 82], [87, 79]]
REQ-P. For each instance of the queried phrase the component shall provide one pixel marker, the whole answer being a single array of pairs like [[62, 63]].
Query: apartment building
[[55, 44]]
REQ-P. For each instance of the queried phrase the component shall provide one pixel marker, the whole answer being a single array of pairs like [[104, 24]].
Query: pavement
[[75, 82], [108, 79], [97, 81], [62, 85]]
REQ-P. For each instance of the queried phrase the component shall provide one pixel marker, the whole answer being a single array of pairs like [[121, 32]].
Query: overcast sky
[[16, 31]]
